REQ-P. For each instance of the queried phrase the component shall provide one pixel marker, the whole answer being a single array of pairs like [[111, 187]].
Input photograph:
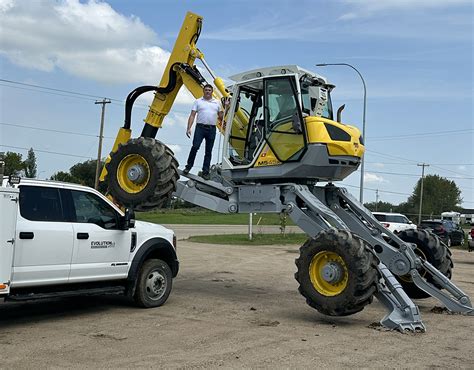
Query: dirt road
[[233, 307]]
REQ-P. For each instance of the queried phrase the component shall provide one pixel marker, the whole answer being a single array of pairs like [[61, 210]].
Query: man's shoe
[[205, 175], [186, 170]]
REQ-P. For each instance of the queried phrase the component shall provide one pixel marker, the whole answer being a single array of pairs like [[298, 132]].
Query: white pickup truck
[[59, 239]]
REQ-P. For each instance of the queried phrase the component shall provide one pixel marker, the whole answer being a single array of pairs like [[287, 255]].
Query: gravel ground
[[233, 307]]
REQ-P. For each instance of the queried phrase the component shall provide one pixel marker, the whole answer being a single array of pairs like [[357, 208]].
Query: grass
[[199, 216], [257, 239]]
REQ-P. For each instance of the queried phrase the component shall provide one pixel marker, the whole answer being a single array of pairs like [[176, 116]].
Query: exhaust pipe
[[339, 111]]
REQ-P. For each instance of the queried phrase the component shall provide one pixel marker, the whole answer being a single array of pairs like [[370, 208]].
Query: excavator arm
[[180, 70]]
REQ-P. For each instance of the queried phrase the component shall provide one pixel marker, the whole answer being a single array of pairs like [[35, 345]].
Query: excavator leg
[[346, 260], [329, 206]]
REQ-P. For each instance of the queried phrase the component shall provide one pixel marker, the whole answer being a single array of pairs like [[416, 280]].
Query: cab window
[[89, 208], [247, 126], [39, 203], [284, 127]]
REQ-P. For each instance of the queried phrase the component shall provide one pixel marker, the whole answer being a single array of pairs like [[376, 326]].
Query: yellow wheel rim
[[407, 278], [328, 273], [133, 173]]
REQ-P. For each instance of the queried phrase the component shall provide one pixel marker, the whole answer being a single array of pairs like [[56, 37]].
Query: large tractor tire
[[430, 248], [142, 174], [336, 273]]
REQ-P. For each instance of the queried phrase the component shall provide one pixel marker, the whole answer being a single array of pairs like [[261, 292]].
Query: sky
[[58, 57]]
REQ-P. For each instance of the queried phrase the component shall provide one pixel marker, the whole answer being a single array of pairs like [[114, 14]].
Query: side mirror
[[128, 219], [411, 223]]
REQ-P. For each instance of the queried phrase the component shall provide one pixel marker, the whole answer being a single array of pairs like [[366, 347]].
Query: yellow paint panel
[[267, 158], [122, 137], [317, 133]]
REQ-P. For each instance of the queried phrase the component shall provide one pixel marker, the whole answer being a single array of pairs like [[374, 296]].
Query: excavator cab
[[281, 127]]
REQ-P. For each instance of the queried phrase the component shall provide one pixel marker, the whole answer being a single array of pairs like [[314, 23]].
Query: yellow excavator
[[280, 140]]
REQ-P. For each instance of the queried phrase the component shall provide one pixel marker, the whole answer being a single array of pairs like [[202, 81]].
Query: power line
[[415, 175], [382, 191], [391, 156], [69, 132], [66, 93], [445, 169], [46, 151], [424, 134], [50, 130], [410, 164], [410, 160], [55, 89]]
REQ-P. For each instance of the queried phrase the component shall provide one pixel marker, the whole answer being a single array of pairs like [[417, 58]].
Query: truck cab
[[68, 239]]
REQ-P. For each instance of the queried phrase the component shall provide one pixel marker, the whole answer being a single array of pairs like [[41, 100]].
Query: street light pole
[[423, 165], [362, 166], [99, 151]]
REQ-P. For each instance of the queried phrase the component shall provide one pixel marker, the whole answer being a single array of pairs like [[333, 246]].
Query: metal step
[[67, 293]]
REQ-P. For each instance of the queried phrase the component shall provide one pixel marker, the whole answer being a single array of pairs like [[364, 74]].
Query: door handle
[[26, 235], [82, 235]]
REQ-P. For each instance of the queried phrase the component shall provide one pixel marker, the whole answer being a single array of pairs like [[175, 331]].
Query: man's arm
[[190, 122]]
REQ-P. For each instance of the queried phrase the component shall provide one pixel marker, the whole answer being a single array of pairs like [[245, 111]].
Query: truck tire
[[336, 273], [430, 248], [154, 282], [142, 174]]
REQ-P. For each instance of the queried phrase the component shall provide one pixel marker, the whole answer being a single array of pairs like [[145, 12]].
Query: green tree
[[81, 173], [439, 195], [380, 206], [63, 176], [29, 164], [13, 164]]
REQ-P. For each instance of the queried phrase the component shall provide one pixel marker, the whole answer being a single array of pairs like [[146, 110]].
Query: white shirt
[[207, 111]]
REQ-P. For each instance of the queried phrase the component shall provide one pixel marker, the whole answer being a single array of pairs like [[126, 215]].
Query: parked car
[[470, 240], [449, 232], [395, 222]]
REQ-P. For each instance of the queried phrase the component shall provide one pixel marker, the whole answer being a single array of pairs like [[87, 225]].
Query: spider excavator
[[280, 142]]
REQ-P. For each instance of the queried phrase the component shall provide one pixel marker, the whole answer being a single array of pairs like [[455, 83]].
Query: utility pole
[[376, 199], [99, 151], [422, 165]]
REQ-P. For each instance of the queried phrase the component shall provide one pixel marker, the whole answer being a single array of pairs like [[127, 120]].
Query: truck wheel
[[154, 284], [142, 174], [430, 248], [336, 273]]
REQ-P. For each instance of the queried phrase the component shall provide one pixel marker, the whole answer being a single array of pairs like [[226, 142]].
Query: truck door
[[43, 242], [101, 250], [8, 211]]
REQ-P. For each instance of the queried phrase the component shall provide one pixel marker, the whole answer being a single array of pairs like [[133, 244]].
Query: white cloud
[[368, 8], [175, 148], [378, 165], [371, 177], [462, 168], [86, 39], [179, 119]]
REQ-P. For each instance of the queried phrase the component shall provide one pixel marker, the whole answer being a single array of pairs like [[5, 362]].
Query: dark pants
[[202, 132]]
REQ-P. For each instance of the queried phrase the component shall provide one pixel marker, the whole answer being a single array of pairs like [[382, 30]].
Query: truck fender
[[152, 248]]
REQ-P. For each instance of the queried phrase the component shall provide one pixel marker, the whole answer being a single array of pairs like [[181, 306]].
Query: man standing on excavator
[[208, 111]]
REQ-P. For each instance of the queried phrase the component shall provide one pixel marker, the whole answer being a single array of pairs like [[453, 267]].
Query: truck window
[[89, 208], [39, 203]]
